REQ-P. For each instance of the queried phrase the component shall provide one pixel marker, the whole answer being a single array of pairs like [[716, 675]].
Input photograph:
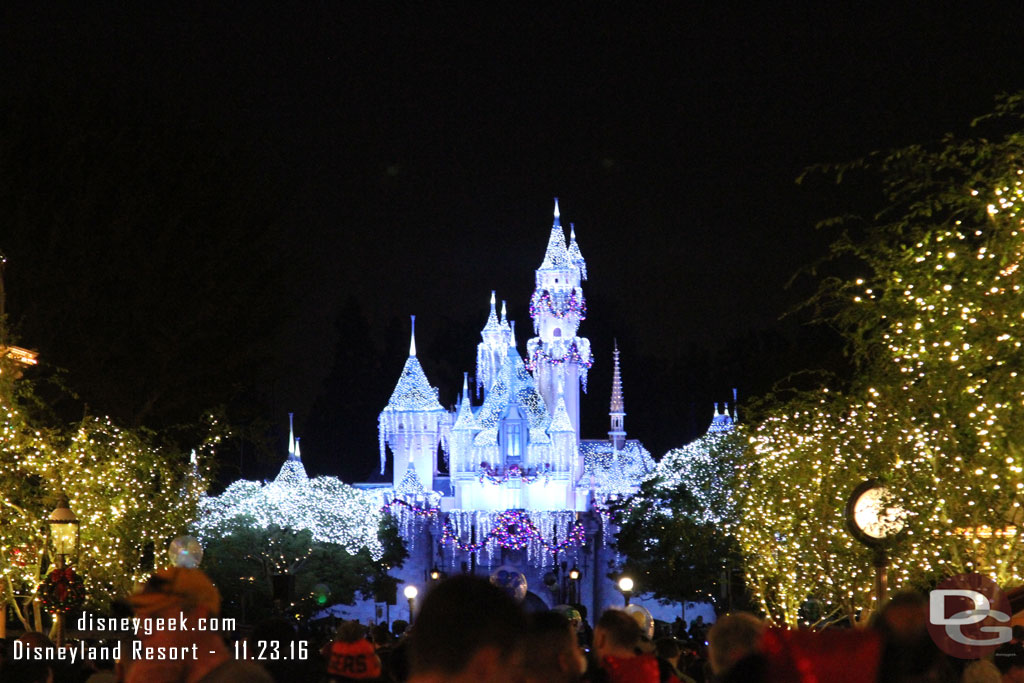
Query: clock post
[[881, 562], [875, 519]]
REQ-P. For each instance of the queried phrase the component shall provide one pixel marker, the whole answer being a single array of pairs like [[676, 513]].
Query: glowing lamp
[[63, 528], [626, 586]]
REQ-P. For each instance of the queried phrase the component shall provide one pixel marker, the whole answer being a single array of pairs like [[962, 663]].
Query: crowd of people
[[469, 630]]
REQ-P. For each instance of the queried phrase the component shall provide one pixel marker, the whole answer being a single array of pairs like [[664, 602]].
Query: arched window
[[512, 435]]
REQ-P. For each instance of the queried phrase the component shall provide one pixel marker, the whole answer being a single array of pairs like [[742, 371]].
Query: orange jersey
[[353, 660]]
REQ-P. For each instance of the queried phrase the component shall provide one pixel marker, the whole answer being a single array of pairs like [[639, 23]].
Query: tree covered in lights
[[935, 323], [320, 531], [676, 532], [243, 561], [131, 495]]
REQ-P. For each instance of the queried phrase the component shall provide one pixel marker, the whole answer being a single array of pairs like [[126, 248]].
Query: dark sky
[[328, 168]]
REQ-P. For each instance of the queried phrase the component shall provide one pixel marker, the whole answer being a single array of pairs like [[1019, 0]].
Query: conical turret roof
[[575, 255], [413, 392], [465, 420], [560, 421], [493, 324], [557, 255]]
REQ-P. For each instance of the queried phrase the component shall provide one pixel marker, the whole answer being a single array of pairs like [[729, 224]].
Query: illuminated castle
[[510, 481], [500, 488]]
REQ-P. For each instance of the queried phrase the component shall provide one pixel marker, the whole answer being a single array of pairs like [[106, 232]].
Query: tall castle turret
[[413, 424], [617, 409], [557, 356], [491, 352]]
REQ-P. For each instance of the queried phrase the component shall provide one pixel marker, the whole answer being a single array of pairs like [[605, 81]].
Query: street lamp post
[[574, 580], [410, 594], [626, 586], [64, 529]]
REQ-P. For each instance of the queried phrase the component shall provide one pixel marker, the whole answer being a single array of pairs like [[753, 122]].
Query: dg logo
[[969, 616]]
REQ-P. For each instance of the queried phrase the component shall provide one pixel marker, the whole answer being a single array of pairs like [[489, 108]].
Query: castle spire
[[292, 471], [412, 337], [575, 255], [557, 255], [490, 352], [291, 434], [464, 417], [297, 455], [617, 409], [506, 329]]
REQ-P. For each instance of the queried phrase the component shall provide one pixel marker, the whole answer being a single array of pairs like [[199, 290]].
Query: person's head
[[350, 632], [616, 634], [177, 590], [668, 649], [35, 639], [381, 635], [981, 671], [467, 629], [732, 638], [903, 619], [550, 651]]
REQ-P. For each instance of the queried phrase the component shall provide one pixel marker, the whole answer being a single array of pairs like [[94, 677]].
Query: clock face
[[876, 515]]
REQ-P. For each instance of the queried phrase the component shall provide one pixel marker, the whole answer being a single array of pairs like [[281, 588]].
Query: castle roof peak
[[492, 325], [617, 403], [575, 255], [557, 255]]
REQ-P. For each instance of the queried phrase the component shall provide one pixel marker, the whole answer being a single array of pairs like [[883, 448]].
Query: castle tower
[[413, 423], [557, 356], [292, 471], [465, 427], [617, 410], [724, 421], [490, 353]]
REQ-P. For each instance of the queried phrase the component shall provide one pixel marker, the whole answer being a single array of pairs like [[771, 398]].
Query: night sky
[[241, 205]]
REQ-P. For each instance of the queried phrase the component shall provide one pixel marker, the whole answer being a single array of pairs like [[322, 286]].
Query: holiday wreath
[[62, 590]]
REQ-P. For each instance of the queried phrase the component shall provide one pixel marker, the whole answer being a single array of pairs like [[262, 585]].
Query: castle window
[[512, 435], [558, 332]]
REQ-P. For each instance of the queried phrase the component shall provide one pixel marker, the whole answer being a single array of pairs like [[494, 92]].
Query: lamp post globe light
[[63, 530], [410, 593], [626, 586]]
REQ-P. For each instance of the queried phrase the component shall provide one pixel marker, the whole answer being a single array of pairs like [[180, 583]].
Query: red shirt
[[356, 660], [639, 669]]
